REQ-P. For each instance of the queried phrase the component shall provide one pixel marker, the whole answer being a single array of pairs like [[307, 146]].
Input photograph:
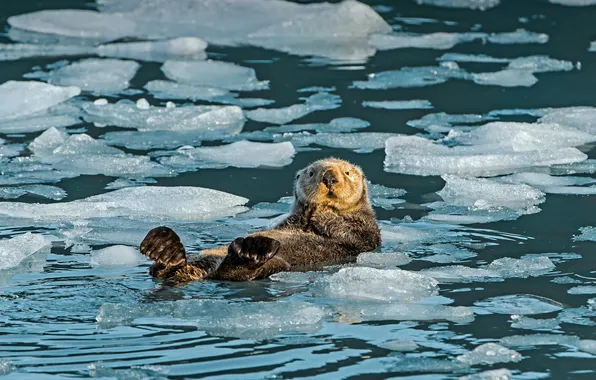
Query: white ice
[[16, 249], [98, 76], [481, 5], [520, 36], [443, 122], [317, 102], [20, 99], [116, 255], [506, 78], [581, 118], [420, 76], [241, 154], [383, 259], [216, 120], [553, 185], [159, 139], [585, 289], [529, 323], [494, 374], [462, 57], [399, 104], [214, 74], [574, 3], [408, 312], [518, 304], [385, 197], [489, 353], [139, 203], [363, 142], [46, 191], [539, 340], [587, 345], [587, 233], [191, 48], [439, 41], [539, 64]]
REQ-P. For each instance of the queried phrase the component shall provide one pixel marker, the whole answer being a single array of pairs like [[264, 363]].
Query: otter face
[[331, 182]]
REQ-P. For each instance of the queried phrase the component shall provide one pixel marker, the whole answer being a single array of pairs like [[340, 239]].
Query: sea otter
[[331, 221]]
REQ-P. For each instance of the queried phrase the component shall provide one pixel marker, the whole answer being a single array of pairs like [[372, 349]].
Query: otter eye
[[297, 176], [311, 174], [347, 173]]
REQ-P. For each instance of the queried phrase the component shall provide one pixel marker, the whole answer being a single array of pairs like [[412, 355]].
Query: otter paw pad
[[163, 245], [254, 249]]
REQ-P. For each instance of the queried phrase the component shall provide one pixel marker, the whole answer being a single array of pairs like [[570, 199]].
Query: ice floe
[[399, 104], [553, 185], [98, 76], [494, 374], [116, 255], [16, 249], [480, 58], [50, 192], [539, 340], [585, 289], [471, 4], [489, 353], [587, 345], [317, 102], [243, 319], [408, 312], [214, 74], [215, 120], [518, 304], [412, 77], [385, 197], [587, 233], [520, 36], [581, 118], [363, 142], [574, 3], [191, 48], [242, 154], [383, 259], [439, 41], [142, 203], [506, 78]]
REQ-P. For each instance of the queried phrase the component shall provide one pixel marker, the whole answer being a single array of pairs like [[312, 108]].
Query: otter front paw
[[252, 251], [163, 245]]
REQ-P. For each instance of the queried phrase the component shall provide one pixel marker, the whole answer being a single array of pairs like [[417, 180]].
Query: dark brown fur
[[331, 222]]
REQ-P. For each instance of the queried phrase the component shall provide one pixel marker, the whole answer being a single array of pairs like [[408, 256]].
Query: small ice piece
[[552, 185], [383, 259], [317, 102], [529, 323], [143, 104], [170, 104], [196, 118], [12, 52], [399, 345], [363, 142], [379, 284], [98, 76], [16, 249], [100, 102], [164, 140], [461, 274], [439, 41], [99, 370], [121, 183], [412, 77], [116, 256], [399, 104], [539, 340], [19, 99], [481, 5], [241, 154], [479, 58], [506, 78], [85, 24], [409, 312], [518, 304], [495, 374], [585, 289], [220, 317], [191, 48], [587, 233], [587, 345], [139, 203], [447, 253], [6, 367], [442, 122], [165, 89], [489, 353], [46, 191], [574, 3], [385, 197], [521, 268], [539, 64], [582, 118], [214, 74], [520, 36]]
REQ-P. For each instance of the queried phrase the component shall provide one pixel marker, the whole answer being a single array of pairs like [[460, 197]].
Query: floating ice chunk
[[439, 41], [379, 284], [39, 122], [420, 156], [495, 374], [400, 345], [385, 197], [553, 185], [6, 367], [99, 76], [143, 104], [15, 250], [11, 52], [363, 142], [410, 312], [219, 317], [586, 289], [587, 345], [586, 234], [522, 268], [539, 64], [574, 3], [399, 104], [127, 182], [518, 304], [471, 4], [447, 253], [582, 118], [412, 77], [187, 47], [9, 150], [163, 89], [480, 58], [242, 154], [50, 192], [383, 259], [442, 122], [116, 255], [461, 274], [489, 353], [85, 24], [529, 323], [539, 340], [196, 118], [520, 36], [19, 99], [135, 372], [162, 139], [506, 78], [214, 74], [141, 203], [317, 102]]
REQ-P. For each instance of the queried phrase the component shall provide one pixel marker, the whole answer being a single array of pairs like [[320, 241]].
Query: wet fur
[[331, 222]]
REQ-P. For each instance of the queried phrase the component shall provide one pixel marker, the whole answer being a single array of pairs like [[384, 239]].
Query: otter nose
[[329, 178]]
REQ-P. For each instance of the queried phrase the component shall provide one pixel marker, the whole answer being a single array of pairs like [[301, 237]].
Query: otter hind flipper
[[163, 246]]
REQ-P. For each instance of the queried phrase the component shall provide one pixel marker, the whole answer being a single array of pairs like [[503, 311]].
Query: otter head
[[332, 183]]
